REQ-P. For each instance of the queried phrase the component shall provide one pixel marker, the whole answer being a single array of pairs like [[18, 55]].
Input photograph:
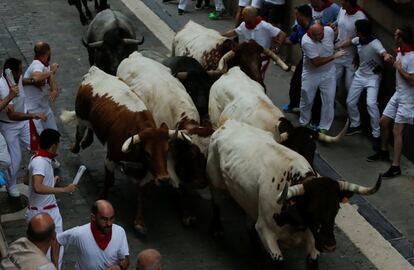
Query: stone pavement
[[22, 23]]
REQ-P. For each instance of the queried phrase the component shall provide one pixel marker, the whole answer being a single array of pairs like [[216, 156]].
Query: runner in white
[[318, 71], [100, 244], [368, 76], [13, 123], [348, 15], [42, 181], [400, 108]]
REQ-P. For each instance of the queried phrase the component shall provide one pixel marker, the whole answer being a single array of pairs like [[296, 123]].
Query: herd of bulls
[[202, 118]]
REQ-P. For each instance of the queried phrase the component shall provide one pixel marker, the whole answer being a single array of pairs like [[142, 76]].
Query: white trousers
[[49, 123], [5, 160], [219, 5], [15, 134], [359, 83], [182, 4], [327, 84], [344, 65], [57, 218]]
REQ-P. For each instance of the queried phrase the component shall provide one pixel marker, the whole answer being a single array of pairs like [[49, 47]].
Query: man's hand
[[57, 179], [388, 58], [14, 91], [333, 26], [40, 83], [40, 116], [339, 53], [70, 188], [54, 252], [9, 108], [397, 65], [114, 267], [53, 68], [53, 95]]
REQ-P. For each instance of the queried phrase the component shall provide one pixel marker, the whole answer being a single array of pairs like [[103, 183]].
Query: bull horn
[[127, 144], [180, 135], [283, 137], [347, 186], [181, 75], [326, 138], [131, 41], [95, 44], [222, 65], [290, 192], [277, 59]]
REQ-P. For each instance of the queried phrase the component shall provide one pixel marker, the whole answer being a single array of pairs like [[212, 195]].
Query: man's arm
[[279, 39], [320, 61], [14, 92], [121, 265], [19, 116], [409, 77], [40, 188], [344, 44], [230, 34]]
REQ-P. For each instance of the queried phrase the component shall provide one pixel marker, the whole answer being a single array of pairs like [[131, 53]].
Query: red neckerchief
[[43, 153], [404, 49], [353, 10], [46, 64], [253, 25], [102, 240], [326, 4]]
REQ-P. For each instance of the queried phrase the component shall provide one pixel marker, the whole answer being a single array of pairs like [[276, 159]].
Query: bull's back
[[162, 93]]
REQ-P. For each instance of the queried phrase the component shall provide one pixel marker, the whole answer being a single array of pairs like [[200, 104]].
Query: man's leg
[[5, 159], [372, 107], [11, 134], [309, 86], [295, 88], [398, 142], [182, 6], [51, 121], [328, 91], [352, 100]]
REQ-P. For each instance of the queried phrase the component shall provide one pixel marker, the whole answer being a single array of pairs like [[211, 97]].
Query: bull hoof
[[75, 148], [189, 221], [140, 230]]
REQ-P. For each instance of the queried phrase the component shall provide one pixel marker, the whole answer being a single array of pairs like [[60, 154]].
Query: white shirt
[[41, 166], [262, 33], [346, 27], [17, 102], [36, 97], [370, 56], [404, 90], [89, 254], [276, 2], [312, 49]]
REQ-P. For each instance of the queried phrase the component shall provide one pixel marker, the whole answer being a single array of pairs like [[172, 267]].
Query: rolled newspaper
[[79, 174]]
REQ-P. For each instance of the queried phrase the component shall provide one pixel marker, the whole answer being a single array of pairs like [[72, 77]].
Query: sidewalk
[[23, 22]]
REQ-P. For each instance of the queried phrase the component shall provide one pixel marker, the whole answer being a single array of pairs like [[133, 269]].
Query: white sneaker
[[14, 191], [55, 164]]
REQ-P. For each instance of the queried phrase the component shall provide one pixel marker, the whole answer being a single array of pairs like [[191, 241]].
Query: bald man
[[29, 252], [318, 71], [253, 27], [149, 259], [99, 244]]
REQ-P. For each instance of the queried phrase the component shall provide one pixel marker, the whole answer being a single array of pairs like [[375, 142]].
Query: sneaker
[[216, 15], [376, 143], [323, 131], [379, 156], [314, 126], [353, 130], [14, 191], [55, 164], [393, 171], [198, 6]]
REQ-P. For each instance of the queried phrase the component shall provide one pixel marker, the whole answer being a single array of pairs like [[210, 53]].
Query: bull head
[[126, 146], [128, 41]]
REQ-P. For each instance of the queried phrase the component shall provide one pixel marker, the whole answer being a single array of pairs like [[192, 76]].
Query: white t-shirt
[[346, 27], [262, 33], [404, 90], [312, 49], [36, 97], [17, 102], [41, 166], [370, 56], [89, 255]]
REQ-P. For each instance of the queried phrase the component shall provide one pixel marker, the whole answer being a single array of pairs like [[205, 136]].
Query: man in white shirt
[[100, 244], [42, 181], [253, 27], [13, 122], [345, 25], [318, 71], [368, 76], [37, 98], [400, 108]]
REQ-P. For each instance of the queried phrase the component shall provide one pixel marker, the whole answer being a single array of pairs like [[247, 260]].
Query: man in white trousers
[[13, 123], [318, 71], [42, 182], [368, 76]]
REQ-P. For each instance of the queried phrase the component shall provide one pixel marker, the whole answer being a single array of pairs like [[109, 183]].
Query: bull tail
[[67, 116]]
